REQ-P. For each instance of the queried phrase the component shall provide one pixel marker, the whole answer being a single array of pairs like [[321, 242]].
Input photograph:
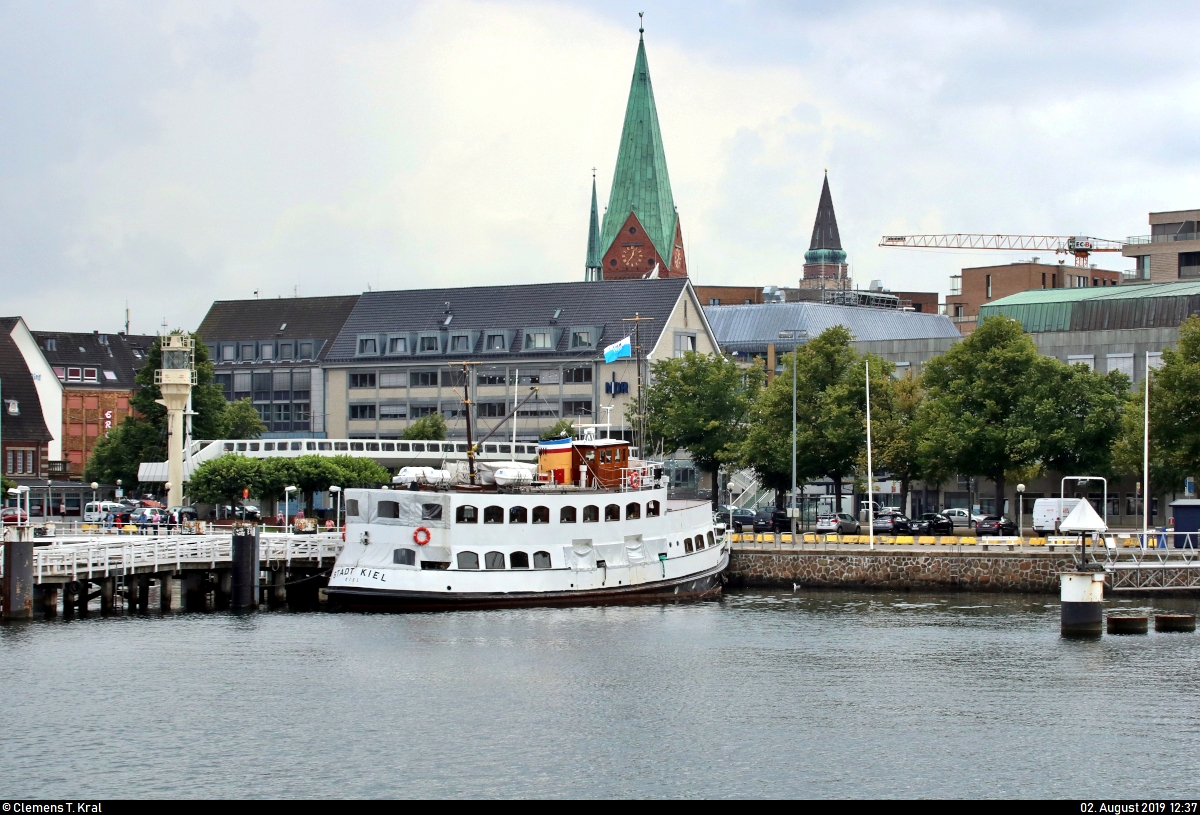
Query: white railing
[[101, 557]]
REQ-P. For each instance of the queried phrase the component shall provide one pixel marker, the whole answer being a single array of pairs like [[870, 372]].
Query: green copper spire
[[594, 269], [640, 183]]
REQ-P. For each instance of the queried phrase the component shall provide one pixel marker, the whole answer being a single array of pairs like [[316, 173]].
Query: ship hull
[[707, 585]]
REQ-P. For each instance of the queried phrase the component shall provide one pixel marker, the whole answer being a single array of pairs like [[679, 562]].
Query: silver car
[[841, 523]]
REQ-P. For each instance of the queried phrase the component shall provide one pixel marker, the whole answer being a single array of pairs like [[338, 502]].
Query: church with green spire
[[640, 235]]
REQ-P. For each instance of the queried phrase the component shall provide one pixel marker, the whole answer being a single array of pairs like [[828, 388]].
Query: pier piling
[[108, 587], [278, 595], [18, 576], [166, 590], [244, 576], [1128, 625], [195, 591], [50, 600], [1174, 622]]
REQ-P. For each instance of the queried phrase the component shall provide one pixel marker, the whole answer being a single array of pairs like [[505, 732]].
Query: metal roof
[[1142, 305], [753, 327], [476, 310], [640, 182]]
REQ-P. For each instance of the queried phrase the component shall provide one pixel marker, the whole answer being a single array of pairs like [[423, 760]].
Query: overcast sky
[[175, 153]]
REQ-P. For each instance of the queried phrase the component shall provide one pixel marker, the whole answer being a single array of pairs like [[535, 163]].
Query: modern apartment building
[[978, 286], [1172, 249]]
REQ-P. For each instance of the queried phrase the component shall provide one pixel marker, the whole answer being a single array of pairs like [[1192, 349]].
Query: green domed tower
[[825, 261]]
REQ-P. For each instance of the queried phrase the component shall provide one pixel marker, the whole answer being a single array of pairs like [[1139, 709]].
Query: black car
[[771, 520], [933, 523], [741, 517], [996, 525], [893, 523]]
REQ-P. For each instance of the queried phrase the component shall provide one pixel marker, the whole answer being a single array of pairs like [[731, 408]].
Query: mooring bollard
[[244, 588], [1174, 622], [1128, 625], [1082, 596]]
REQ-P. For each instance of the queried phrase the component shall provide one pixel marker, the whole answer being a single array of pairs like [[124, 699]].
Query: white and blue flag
[[621, 348]]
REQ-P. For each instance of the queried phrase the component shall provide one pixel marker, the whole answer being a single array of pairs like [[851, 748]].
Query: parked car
[[97, 511], [741, 518], [963, 517], [1047, 512], [893, 523], [183, 513], [149, 516], [933, 523], [241, 512], [996, 525], [769, 519], [12, 515], [841, 523]]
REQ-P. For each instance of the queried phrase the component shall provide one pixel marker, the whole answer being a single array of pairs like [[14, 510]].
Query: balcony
[[1142, 240]]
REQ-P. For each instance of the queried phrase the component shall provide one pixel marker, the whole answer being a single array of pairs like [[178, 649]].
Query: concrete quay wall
[[1030, 572]]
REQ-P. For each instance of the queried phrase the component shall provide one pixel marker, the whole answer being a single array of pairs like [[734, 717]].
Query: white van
[[1048, 511], [94, 512]]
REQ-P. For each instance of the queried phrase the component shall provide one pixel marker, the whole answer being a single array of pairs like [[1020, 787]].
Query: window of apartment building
[[283, 414], [1143, 266], [1122, 363], [989, 287], [429, 345], [1043, 280], [61, 373], [492, 379], [286, 350], [301, 412], [495, 342], [1189, 264], [579, 407], [537, 340], [537, 409], [74, 374], [958, 311], [684, 343], [264, 412], [491, 409], [460, 343], [51, 344], [577, 374], [393, 411], [110, 376], [581, 339], [241, 385], [228, 352], [262, 387], [362, 380], [393, 379], [1086, 359], [90, 375], [267, 350], [453, 379], [301, 385], [423, 379], [714, 301], [281, 385], [367, 346], [225, 383], [397, 345], [247, 352], [419, 411], [362, 411], [454, 411], [305, 350]]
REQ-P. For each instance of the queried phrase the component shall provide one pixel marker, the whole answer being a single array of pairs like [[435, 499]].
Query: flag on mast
[[621, 348]]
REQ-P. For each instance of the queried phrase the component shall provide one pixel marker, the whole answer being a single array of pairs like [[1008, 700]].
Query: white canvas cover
[[1083, 518], [635, 550], [580, 555], [613, 554], [413, 511], [486, 470]]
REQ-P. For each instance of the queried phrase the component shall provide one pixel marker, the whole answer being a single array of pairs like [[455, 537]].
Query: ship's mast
[[467, 403], [639, 431]]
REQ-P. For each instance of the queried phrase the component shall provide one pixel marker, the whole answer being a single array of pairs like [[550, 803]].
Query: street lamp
[[1021, 511], [337, 513], [287, 500], [95, 508]]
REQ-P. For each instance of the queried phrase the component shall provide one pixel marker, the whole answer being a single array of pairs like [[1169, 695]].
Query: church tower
[[593, 268], [641, 230], [825, 261]]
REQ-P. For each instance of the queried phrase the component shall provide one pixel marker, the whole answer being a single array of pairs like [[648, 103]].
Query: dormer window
[[537, 340], [581, 339], [397, 346], [74, 374], [12, 407], [285, 350], [51, 344], [102, 339], [429, 345], [306, 350], [229, 352], [495, 342], [460, 342], [90, 375], [267, 351], [368, 346]]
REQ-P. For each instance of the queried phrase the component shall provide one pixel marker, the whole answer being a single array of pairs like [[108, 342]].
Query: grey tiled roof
[[121, 354], [602, 304], [16, 382], [751, 328], [306, 318]]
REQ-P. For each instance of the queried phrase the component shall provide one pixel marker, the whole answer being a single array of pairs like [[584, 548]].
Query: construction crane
[[1078, 245]]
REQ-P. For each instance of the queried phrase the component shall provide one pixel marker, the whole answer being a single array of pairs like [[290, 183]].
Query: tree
[[313, 474], [223, 479], [700, 403], [895, 431], [428, 428], [118, 454], [241, 421], [274, 474], [561, 428], [358, 472], [1174, 416]]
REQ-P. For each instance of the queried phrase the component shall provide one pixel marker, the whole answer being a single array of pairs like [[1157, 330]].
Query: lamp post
[[95, 505], [337, 513], [1021, 512], [794, 512], [287, 500]]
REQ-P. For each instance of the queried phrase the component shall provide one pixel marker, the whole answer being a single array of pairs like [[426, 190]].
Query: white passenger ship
[[589, 526]]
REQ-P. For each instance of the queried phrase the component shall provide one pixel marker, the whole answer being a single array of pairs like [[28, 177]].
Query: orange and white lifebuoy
[[421, 536], [635, 479]]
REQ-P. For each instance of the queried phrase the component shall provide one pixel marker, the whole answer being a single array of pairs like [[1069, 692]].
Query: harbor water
[[762, 693]]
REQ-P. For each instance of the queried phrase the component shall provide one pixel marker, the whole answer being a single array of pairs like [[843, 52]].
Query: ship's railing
[[639, 478]]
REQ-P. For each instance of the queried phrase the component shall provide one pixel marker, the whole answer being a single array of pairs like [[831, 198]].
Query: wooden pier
[[70, 573]]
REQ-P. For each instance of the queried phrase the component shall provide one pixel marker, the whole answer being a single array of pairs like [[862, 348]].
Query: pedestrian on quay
[[279, 519]]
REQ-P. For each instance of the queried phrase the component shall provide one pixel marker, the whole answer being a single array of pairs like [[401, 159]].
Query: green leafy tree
[[563, 427], [119, 453], [222, 479], [273, 476], [1174, 416], [700, 403], [241, 421], [895, 430], [427, 428], [313, 474], [357, 472]]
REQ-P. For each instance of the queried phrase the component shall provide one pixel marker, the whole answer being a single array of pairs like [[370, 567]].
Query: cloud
[[173, 155]]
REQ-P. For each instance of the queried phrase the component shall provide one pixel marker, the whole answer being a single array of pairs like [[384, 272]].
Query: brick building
[[981, 285], [97, 373], [30, 400]]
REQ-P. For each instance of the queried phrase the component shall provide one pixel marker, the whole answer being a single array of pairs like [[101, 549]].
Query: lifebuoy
[[635, 479], [421, 536]]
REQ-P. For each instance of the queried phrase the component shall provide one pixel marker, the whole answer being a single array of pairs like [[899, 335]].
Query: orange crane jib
[[1078, 245]]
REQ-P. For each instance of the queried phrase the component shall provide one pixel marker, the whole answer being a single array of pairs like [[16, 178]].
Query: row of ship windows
[[372, 446], [468, 514], [518, 560]]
